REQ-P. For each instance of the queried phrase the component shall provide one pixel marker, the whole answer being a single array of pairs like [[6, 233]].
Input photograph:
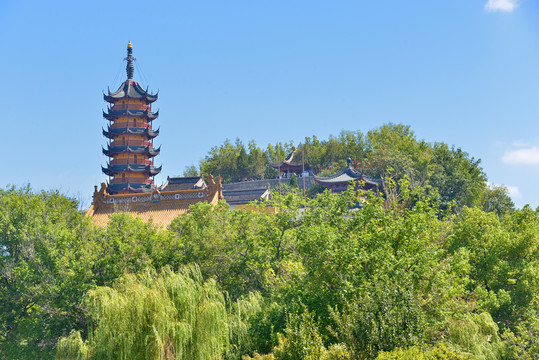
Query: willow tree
[[170, 315]]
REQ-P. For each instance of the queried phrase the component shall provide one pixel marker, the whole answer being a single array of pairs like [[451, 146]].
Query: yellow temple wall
[[167, 206]]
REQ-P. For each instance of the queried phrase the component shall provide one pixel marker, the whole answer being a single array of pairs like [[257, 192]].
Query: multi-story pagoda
[[130, 148], [130, 188]]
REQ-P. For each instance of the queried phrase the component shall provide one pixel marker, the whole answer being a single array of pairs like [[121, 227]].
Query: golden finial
[[129, 46]]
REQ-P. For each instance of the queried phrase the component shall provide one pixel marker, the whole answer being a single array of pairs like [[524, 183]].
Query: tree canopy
[[417, 272]]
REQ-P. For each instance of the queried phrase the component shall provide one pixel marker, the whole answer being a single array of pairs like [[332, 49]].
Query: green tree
[[314, 153], [258, 162], [294, 182], [242, 316], [504, 258], [221, 161], [349, 253], [456, 176], [437, 352], [128, 244], [395, 146], [496, 199], [384, 317], [302, 340], [242, 165], [191, 171], [45, 268], [227, 245], [166, 315]]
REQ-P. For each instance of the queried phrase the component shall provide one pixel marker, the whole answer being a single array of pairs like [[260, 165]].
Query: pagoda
[[130, 147], [130, 168]]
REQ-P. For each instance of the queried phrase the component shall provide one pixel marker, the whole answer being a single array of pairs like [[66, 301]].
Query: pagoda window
[[135, 158], [123, 177], [134, 122]]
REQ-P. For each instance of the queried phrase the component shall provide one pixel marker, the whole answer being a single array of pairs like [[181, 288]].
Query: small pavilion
[[340, 181], [289, 165]]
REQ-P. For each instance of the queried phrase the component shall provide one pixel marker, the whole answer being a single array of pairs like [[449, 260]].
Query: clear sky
[[465, 72]]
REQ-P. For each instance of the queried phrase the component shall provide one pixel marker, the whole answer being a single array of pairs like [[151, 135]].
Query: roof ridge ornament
[[130, 68]]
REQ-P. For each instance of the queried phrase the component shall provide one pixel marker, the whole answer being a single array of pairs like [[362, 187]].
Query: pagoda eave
[[112, 170], [130, 89], [113, 132], [147, 150], [130, 186], [143, 114]]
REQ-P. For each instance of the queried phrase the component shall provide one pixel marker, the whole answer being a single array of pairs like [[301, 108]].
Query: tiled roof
[[183, 183], [130, 89], [346, 175], [289, 164], [241, 197]]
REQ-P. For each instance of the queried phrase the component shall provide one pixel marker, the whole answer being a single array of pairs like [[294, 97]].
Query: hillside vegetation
[[451, 172], [409, 274]]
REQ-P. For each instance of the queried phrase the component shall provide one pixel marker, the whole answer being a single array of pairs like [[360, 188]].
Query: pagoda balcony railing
[[124, 124], [131, 161], [131, 106], [130, 142], [132, 180]]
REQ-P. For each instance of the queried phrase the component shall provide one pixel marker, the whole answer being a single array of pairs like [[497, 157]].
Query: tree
[[504, 258], [258, 161], [226, 245], [456, 176], [45, 268], [348, 252], [191, 171], [221, 161], [242, 165], [395, 146], [302, 340], [496, 199], [128, 244], [386, 316], [294, 182], [165, 315]]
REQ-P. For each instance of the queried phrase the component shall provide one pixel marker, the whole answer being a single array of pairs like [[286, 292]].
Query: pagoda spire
[[130, 68]]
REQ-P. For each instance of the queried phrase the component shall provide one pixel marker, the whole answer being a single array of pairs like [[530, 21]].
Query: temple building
[[289, 165], [131, 168], [339, 182]]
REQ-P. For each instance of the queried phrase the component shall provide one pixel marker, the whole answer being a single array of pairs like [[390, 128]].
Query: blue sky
[[465, 72]]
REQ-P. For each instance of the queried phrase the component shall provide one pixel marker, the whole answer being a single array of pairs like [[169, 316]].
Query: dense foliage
[[153, 316], [398, 275], [452, 173]]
